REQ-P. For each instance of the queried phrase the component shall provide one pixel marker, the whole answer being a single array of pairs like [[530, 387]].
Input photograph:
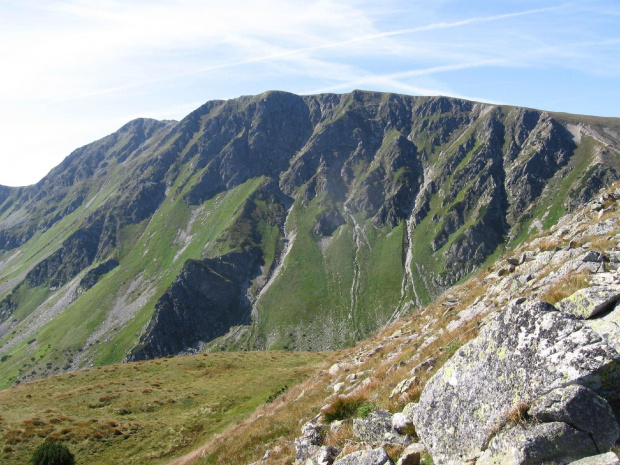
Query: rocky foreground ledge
[[539, 384]]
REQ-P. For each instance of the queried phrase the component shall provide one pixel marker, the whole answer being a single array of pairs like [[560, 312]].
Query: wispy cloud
[[74, 61], [282, 54]]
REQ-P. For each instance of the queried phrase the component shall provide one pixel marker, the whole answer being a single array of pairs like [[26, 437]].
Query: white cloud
[[70, 66]]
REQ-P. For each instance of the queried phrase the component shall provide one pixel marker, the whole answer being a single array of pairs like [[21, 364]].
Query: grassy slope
[[145, 412], [318, 282], [149, 253]]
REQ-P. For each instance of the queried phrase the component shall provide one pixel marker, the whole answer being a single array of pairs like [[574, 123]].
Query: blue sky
[[74, 71]]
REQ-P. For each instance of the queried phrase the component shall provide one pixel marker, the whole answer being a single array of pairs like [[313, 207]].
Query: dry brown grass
[[271, 426], [343, 407], [566, 287], [337, 438], [602, 244], [518, 413], [515, 415]]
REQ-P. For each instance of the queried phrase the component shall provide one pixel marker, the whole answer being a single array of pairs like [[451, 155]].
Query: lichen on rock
[[521, 354]]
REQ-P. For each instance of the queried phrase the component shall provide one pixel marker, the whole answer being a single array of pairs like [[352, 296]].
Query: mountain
[[277, 221], [490, 372]]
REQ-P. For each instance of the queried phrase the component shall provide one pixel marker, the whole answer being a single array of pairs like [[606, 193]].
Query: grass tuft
[[343, 407]]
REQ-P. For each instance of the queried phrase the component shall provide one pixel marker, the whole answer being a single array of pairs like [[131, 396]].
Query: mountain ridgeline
[[277, 222]]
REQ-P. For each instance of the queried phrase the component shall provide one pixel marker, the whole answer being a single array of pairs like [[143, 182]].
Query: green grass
[[145, 412], [381, 276], [148, 250]]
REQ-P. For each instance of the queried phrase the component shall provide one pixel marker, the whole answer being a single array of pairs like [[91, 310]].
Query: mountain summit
[[277, 221]]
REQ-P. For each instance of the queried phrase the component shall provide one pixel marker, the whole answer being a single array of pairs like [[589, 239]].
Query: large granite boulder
[[608, 325], [568, 423], [521, 354], [412, 455]]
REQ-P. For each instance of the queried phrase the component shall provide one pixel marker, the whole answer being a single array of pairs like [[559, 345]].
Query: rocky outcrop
[[582, 409], [309, 446], [92, 277], [532, 444], [522, 354], [608, 326], [412, 455], [589, 302], [204, 301]]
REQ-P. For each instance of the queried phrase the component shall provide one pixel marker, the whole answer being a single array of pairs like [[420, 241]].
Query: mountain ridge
[[349, 209]]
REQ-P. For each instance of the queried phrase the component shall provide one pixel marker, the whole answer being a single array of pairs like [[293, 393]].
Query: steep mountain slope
[[114, 414], [277, 221]]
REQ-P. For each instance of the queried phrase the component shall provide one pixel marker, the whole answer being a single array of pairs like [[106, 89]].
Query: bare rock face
[[520, 355], [608, 326], [412, 455], [202, 303]]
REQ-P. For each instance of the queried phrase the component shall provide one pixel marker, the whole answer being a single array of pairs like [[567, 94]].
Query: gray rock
[[589, 302], [426, 365], [305, 453], [409, 410], [533, 444], [366, 457], [338, 387], [402, 387], [582, 409], [400, 422], [403, 421], [412, 454], [593, 257], [519, 355], [307, 445], [324, 455], [608, 326], [313, 433], [377, 429], [614, 259], [603, 459]]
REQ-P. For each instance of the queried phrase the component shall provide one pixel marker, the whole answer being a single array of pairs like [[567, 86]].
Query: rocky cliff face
[[349, 210]]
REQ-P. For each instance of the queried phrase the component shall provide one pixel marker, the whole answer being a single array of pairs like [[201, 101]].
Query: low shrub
[[366, 409], [52, 453], [276, 394]]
